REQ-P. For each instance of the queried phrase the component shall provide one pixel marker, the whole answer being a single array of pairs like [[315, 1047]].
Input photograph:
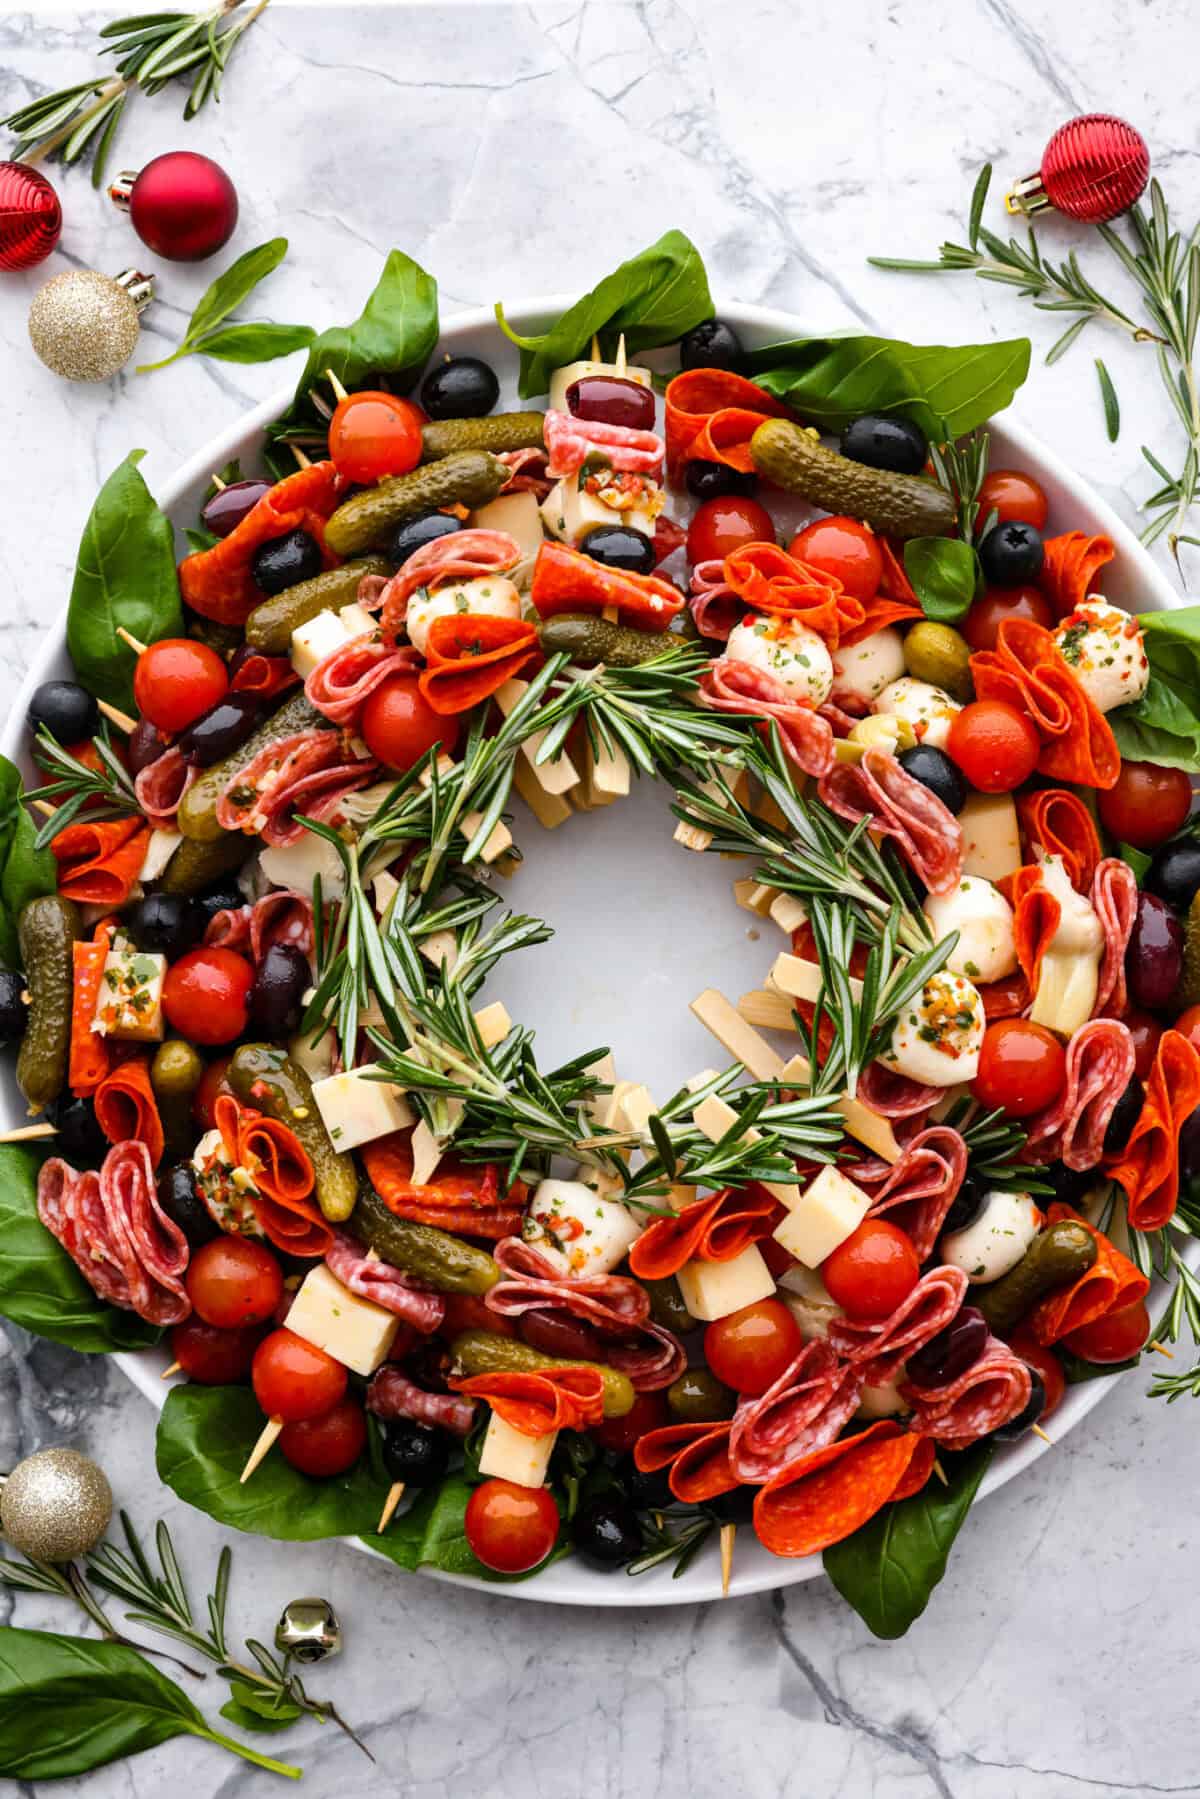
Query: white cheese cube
[[129, 1003], [713, 1290], [563, 378], [311, 643], [296, 864], [355, 1109], [493, 1023], [514, 513], [159, 850], [569, 513], [829, 1210], [577, 1230], [354, 1331], [508, 1454], [991, 841], [884, 1401], [356, 620], [384, 889]]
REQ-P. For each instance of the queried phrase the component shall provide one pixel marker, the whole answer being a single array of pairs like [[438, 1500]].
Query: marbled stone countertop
[[528, 148]]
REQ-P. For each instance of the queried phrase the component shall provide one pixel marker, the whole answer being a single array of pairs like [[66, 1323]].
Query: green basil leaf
[[889, 1567], [1076, 1371], [252, 1709], [947, 390], [234, 285], [1164, 725], [1137, 859], [40, 1287], [254, 342], [199, 537], [125, 575], [944, 572], [25, 872], [654, 298]]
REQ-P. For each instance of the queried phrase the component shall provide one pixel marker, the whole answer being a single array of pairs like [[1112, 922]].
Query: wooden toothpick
[[216, 481], [115, 716], [395, 1494], [173, 1369], [338, 390], [728, 1537], [270, 1431], [128, 637], [1039, 1432], [302, 461]]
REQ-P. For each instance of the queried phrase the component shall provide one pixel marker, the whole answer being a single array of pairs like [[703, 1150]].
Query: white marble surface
[[516, 149]]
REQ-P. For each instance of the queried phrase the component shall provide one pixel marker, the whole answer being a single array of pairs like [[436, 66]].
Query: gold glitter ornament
[[55, 1505], [84, 325]]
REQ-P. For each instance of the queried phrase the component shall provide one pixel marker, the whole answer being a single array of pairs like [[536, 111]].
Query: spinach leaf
[[944, 572], [890, 1566], [654, 298], [945, 389], [68, 1705], [431, 1534], [25, 872], [40, 1287], [125, 575], [238, 343], [1164, 725], [1137, 859], [255, 342]]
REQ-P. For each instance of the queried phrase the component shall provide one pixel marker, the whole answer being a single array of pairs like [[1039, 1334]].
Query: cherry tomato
[[648, 1412], [511, 1528], [750, 1349], [212, 1083], [398, 724], [1114, 1338], [996, 746], [1147, 805], [329, 1444], [724, 525], [294, 1379], [873, 1271], [1013, 495], [177, 681], [988, 613], [211, 1356], [1188, 1025], [233, 1281], [1145, 1030], [1025, 1344], [1022, 1067], [845, 548], [206, 993], [375, 434]]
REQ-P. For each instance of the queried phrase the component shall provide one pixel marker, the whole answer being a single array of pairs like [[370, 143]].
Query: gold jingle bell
[[309, 1631], [55, 1505], [84, 325]]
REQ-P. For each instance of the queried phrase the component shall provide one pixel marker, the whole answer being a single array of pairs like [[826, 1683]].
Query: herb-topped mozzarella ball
[[795, 656], [1103, 648], [862, 670], [983, 918], [577, 1230], [938, 1036], [996, 1238], [488, 596], [928, 709]]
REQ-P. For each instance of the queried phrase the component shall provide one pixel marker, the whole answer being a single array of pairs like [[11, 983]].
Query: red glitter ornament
[[183, 206], [30, 216], [1092, 169]]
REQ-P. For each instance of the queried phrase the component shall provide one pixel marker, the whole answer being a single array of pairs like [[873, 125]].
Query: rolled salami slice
[[879, 1349], [729, 686], [372, 1278], [117, 1234], [571, 441], [537, 1403], [342, 682], [827, 1495], [162, 784], [392, 1395], [1100, 1060], [309, 773], [1114, 897], [715, 1229], [696, 1454], [1111, 1283], [805, 1409], [894, 1095], [459, 556], [1057, 822], [920, 1188], [528, 468], [926, 832], [993, 1390]]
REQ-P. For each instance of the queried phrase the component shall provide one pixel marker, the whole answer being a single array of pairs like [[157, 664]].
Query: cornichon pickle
[[268, 1078], [470, 478], [1189, 981], [445, 1262], [485, 1352], [941, 655], [905, 505], [500, 431], [174, 1075], [1059, 1256], [667, 1305], [269, 627], [197, 815], [587, 638], [196, 865], [46, 931]]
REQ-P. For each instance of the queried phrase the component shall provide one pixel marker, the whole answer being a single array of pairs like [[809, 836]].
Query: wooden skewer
[[338, 390], [1161, 1349], [168, 1372], [216, 481], [619, 358], [267, 1436], [44, 807], [29, 1133], [1039, 1432], [728, 1534], [115, 716], [302, 460], [595, 346], [940, 1472], [131, 640], [395, 1494]]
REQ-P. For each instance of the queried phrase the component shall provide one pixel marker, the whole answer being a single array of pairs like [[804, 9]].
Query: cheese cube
[[493, 1023], [355, 1109], [129, 1003], [884, 1401], [827, 1212], [712, 1290], [356, 620], [296, 864], [508, 1454], [569, 512], [354, 1331], [384, 888], [563, 378], [514, 513], [227, 1191], [991, 842], [577, 1230], [159, 850], [316, 1059], [312, 642]]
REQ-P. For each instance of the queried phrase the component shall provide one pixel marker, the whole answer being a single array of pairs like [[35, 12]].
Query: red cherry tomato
[[845, 548], [873, 1271], [375, 434], [234, 1281], [1022, 1067], [1013, 495], [648, 1412], [1025, 1344], [205, 995], [1147, 805], [398, 724], [988, 613], [329, 1444], [294, 1379], [722, 526], [177, 681], [212, 1083], [211, 1356], [996, 746], [511, 1528], [1188, 1025], [750, 1349], [1145, 1030], [1114, 1338]]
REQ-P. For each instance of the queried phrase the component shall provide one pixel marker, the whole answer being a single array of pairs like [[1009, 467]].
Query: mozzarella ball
[[488, 596], [577, 1230], [996, 1240], [794, 655], [928, 709], [938, 1036], [862, 670], [883, 1401], [1103, 648], [804, 1294], [983, 918]]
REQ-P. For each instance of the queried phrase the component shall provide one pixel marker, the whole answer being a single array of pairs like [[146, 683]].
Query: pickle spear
[[904, 505]]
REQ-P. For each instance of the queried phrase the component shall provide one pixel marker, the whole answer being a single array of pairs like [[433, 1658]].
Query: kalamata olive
[[648, 1492], [181, 1202], [415, 1453], [1189, 1149], [711, 345], [611, 400], [165, 924], [461, 387], [221, 730], [1011, 554], [606, 1531], [951, 1352], [616, 546], [283, 561], [14, 1011], [1154, 958], [414, 533], [966, 1206], [225, 896], [282, 978], [1016, 1427], [561, 1336], [1174, 874], [80, 1140], [716, 481], [224, 511], [1123, 1117], [934, 769], [881, 442], [428, 1364], [734, 1507], [67, 710], [143, 746], [698, 1397]]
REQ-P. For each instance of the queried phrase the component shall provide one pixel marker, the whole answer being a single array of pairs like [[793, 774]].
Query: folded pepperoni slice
[[1036, 916], [470, 658], [126, 1109], [918, 1470], [1059, 823], [715, 1229], [696, 1454], [98, 864], [710, 415], [730, 686], [1070, 565], [1025, 670], [564, 580], [1009, 998], [278, 1164], [534, 1404], [459, 1200], [827, 1495], [1148, 1169], [1110, 1284], [218, 583], [769, 580]]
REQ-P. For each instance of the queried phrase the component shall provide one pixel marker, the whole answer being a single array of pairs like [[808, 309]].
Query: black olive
[[1174, 873], [283, 975], [1189, 1149], [415, 1453], [415, 533], [1071, 1185], [226, 896], [282, 561], [1016, 1427], [734, 1507], [80, 1139], [1123, 1117], [713, 481], [14, 1011], [221, 730], [648, 1492], [968, 1204], [66, 709], [461, 387], [181, 1202], [954, 1350], [606, 1532], [934, 769], [428, 1364], [711, 345], [145, 746], [165, 924], [879, 442], [616, 546], [1011, 554]]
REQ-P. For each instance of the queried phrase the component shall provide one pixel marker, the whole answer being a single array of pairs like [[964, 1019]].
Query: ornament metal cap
[[121, 188], [139, 286]]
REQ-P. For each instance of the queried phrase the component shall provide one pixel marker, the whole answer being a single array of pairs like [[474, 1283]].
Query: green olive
[[667, 1307], [940, 655], [176, 1069], [698, 1397]]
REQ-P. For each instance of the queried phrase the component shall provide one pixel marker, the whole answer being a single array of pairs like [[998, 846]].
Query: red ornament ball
[[1093, 168], [30, 216], [183, 206]]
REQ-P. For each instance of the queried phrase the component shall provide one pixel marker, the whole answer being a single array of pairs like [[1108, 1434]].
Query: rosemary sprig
[[107, 791], [960, 469], [1159, 1255], [664, 1545], [994, 1144], [647, 711]]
